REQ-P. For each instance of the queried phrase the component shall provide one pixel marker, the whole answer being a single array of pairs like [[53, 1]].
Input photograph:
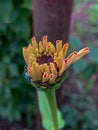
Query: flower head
[[46, 63]]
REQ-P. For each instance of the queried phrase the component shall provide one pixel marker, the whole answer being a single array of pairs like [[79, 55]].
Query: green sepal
[[46, 86]]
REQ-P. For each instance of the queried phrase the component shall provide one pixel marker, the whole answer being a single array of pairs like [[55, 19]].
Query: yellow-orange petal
[[52, 48], [32, 55], [55, 55], [36, 52], [48, 46], [31, 60], [58, 45], [38, 73], [46, 68], [31, 73], [45, 77], [71, 58], [34, 43], [25, 55], [44, 40], [41, 68], [58, 61], [65, 49], [63, 68], [29, 49], [63, 52], [53, 70], [41, 48], [82, 52], [66, 62], [52, 78]]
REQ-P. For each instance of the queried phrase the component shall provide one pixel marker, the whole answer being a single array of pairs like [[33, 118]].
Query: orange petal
[[41, 48], [30, 61], [58, 45], [25, 55], [65, 49], [52, 48], [48, 46], [46, 68], [82, 52], [52, 78], [31, 73], [58, 61], [44, 42], [71, 58], [63, 52], [66, 62], [45, 77], [37, 71], [53, 69], [63, 68], [34, 43]]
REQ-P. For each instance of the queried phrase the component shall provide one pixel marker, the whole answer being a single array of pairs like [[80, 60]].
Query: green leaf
[[79, 65], [75, 42], [93, 55]]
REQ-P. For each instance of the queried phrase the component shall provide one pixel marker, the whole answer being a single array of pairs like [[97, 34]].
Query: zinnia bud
[[47, 63]]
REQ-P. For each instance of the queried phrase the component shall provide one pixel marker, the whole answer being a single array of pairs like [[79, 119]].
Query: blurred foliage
[[81, 113], [86, 67], [84, 33], [93, 11], [15, 30]]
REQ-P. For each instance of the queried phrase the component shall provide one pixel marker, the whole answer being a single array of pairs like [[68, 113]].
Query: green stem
[[48, 110], [50, 95]]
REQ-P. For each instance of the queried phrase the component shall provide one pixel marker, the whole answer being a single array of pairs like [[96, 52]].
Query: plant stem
[[50, 96]]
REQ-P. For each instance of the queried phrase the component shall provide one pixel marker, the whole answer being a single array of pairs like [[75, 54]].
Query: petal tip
[[51, 76]]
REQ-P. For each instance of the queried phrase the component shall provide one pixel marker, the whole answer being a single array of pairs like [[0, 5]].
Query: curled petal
[[44, 42], [65, 49], [55, 55], [82, 52], [58, 45], [41, 48], [36, 52], [58, 61], [41, 68], [46, 68], [63, 68], [48, 47], [31, 72], [63, 52], [34, 43], [54, 71], [32, 55], [71, 58], [66, 62], [30, 61], [52, 78], [52, 48], [25, 55], [37, 71], [45, 77]]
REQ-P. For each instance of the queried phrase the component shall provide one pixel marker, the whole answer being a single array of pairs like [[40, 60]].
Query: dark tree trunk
[[52, 18]]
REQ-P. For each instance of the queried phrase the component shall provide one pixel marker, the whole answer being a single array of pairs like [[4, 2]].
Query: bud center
[[44, 59]]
